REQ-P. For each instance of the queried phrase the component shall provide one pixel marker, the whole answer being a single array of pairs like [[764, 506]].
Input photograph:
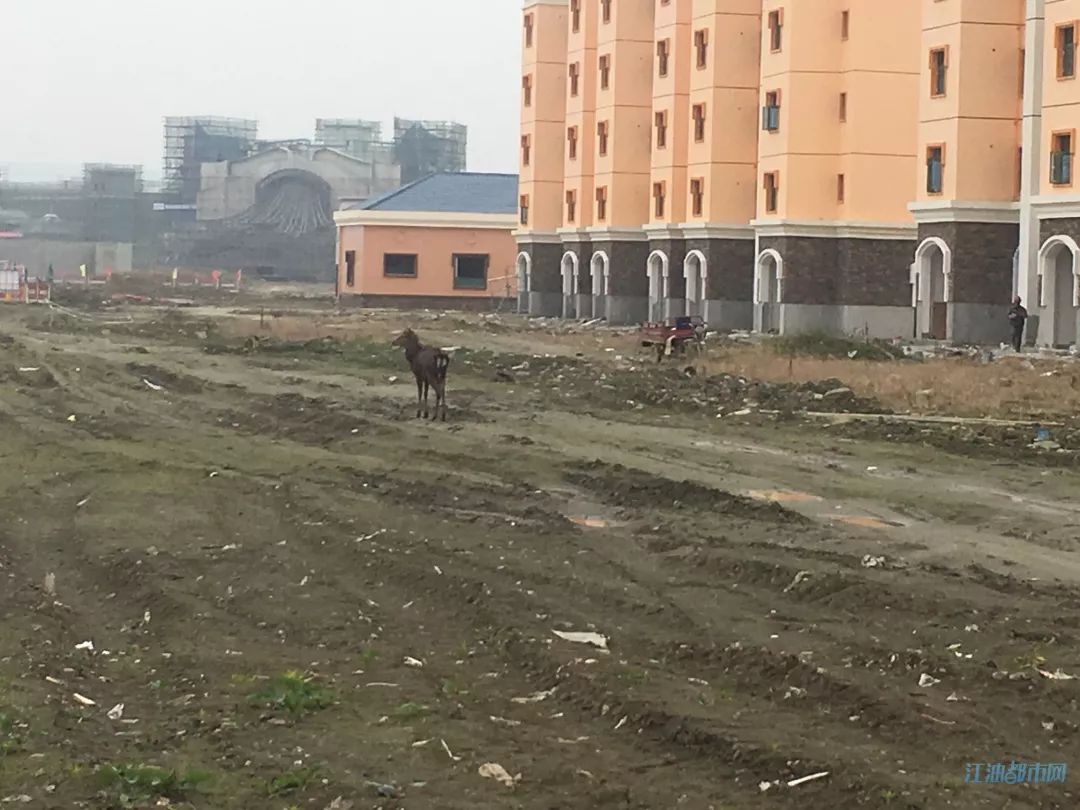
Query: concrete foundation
[[979, 323], [569, 307], [599, 306], [583, 304], [674, 308], [627, 309], [859, 321], [728, 315], [545, 304]]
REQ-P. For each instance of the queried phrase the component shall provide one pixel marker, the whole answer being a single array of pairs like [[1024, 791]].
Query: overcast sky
[[91, 80]]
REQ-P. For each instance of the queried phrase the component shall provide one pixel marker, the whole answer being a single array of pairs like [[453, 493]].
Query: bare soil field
[[236, 572]]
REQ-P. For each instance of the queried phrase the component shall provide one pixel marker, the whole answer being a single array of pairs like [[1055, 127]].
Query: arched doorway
[[933, 271], [524, 281], [657, 268], [768, 290], [695, 270], [1059, 261], [569, 284], [598, 270]]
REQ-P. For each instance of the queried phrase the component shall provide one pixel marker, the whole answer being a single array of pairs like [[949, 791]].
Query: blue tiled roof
[[457, 193]]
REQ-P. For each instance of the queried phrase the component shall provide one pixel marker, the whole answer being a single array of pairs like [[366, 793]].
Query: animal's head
[[405, 338]]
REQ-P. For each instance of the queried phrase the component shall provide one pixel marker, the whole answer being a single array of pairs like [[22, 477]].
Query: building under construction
[[191, 142], [423, 147]]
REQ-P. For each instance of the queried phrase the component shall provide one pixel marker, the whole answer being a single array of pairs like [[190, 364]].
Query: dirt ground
[[236, 572]]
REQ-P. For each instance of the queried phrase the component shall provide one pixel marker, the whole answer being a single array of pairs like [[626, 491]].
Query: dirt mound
[[169, 380], [1021, 443], [28, 376], [630, 488], [318, 422]]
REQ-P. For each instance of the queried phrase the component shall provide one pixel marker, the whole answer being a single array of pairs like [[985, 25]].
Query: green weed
[[140, 783], [291, 781], [409, 711], [11, 740], [294, 693]]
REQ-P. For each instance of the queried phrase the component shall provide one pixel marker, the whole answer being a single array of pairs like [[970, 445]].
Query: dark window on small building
[[350, 268], [470, 271], [399, 265]]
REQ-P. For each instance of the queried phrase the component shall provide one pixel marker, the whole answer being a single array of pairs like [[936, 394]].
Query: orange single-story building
[[442, 241]]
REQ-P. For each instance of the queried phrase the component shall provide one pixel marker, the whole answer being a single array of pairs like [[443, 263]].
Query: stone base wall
[[627, 276], [545, 258], [730, 268], [824, 271], [982, 259], [675, 250]]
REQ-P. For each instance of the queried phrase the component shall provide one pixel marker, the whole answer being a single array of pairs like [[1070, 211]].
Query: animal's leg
[[426, 389], [440, 399], [419, 395]]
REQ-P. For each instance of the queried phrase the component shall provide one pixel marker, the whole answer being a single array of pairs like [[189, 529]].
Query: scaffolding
[[190, 142], [423, 147], [353, 136]]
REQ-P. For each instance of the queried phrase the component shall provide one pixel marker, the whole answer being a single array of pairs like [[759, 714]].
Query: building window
[[605, 10], [845, 24], [1019, 171], [399, 265], [602, 137], [470, 271], [526, 90], [1066, 51], [935, 169], [601, 204], [776, 30], [525, 149], [350, 268], [571, 142], [1061, 156], [699, 122], [770, 113], [840, 188], [605, 71], [701, 47], [663, 54], [697, 196], [571, 206], [575, 15], [939, 63], [658, 192], [661, 130], [524, 209], [528, 30], [575, 73], [843, 106], [772, 191]]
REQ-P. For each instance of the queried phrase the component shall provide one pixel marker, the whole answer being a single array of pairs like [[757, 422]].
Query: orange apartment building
[[890, 169]]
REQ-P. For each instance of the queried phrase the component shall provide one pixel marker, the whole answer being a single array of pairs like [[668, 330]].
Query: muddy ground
[[239, 559]]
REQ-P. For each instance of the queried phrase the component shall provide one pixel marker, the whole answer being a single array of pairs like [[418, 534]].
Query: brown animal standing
[[429, 366]]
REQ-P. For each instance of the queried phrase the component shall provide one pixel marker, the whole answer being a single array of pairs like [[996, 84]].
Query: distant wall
[[65, 257]]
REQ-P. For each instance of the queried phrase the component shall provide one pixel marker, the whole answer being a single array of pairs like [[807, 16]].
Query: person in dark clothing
[[1017, 319]]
